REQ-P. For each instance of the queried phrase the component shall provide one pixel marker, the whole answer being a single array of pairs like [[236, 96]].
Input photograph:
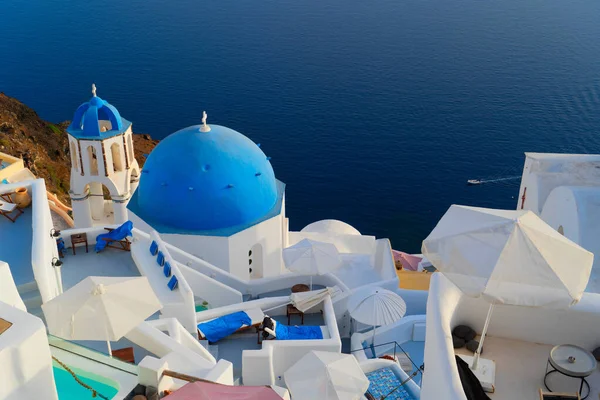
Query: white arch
[[115, 151], [74, 155], [92, 160]]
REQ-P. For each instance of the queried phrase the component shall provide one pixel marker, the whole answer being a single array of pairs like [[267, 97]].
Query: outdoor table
[[291, 310], [79, 238], [572, 361]]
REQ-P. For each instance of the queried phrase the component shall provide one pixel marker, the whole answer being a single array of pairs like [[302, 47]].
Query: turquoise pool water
[[69, 389]]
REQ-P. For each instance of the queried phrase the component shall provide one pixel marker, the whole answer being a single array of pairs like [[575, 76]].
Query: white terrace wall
[[358, 244], [267, 365], [183, 310], [43, 246], [25, 359], [16, 164], [8, 290], [447, 307]]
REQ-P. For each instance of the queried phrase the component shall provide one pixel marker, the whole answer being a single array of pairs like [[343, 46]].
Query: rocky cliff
[[43, 145]]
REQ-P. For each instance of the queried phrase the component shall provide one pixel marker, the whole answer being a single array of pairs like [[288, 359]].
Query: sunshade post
[[485, 328], [108, 342]]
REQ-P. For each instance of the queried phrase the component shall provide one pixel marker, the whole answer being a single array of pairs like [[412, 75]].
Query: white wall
[[25, 359], [359, 244], [447, 307], [543, 172], [8, 290], [178, 303], [267, 365], [382, 260], [43, 246], [149, 336], [268, 235], [214, 292], [212, 249]]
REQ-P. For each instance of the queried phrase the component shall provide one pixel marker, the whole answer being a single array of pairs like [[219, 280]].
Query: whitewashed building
[[102, 160]]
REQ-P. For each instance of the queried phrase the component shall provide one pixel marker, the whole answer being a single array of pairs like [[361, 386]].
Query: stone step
[[27, 287]]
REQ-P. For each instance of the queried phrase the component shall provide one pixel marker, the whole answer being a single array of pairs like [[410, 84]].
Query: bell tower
[[104, 172]]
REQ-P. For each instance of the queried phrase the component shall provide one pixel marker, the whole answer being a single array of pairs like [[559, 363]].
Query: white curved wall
[[448, 307], [577, 210]]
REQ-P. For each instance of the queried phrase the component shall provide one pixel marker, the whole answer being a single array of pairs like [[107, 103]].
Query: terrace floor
[[15, 246], [109, 262], [520, 370]]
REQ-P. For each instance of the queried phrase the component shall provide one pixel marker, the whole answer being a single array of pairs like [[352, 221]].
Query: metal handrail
[[417, 368]]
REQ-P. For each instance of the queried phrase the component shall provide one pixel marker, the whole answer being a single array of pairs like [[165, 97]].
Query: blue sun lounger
[[113, 237]]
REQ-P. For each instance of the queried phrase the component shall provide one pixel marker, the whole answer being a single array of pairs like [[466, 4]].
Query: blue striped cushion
[[153, 248], [172, 283]]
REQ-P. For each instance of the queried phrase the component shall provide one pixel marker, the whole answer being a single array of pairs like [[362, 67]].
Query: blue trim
[[223, 232], [167, 269], [86, 118], [79, 134], [160, 259], [154, 248], [172, 283]]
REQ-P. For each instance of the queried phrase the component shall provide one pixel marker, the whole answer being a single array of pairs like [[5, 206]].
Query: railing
[[91, 354], [417, 370]]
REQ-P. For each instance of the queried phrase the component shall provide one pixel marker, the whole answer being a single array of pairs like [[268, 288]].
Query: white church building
[[206, 189]]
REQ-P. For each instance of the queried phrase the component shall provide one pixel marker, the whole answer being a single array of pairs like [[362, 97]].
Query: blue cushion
[[167, 269], [383, 383], [369, 349], [154, 248], [172, 283], [160, 259], [4, 181]]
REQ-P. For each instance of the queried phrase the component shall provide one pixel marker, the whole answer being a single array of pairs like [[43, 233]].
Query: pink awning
[[214, 391], [408, 261]]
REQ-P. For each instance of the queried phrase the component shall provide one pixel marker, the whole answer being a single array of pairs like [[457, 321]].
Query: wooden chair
[[558, 396], [124, 244], [7, 207]]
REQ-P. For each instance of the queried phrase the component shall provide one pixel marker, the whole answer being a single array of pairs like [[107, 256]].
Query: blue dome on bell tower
[[97, 119]]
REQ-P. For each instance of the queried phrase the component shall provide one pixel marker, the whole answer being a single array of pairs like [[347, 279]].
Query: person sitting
[[284, 332]]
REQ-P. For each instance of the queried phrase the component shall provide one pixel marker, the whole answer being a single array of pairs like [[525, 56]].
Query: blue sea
[[374, 112]]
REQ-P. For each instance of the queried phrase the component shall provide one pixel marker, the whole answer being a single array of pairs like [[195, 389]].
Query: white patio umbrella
[[304, 301], [376, 306], [507, 257], [101, 308], [310, 257], [326, 376]]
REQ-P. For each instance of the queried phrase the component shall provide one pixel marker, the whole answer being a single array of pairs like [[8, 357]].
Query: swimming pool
[[69, 389]]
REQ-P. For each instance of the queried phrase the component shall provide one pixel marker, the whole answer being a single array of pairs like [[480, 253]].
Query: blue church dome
[[205, 178], [87, 119]]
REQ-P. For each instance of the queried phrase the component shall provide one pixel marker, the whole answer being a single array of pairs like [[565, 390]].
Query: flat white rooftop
[[520, 370], [109, 262], [15, 246]]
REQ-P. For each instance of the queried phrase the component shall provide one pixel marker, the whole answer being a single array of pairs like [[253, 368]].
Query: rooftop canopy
[[97, 119]]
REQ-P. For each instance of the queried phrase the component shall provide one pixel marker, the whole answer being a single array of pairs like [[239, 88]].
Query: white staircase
[[30, 295]]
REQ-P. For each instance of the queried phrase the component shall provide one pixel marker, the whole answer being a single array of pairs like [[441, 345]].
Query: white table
[[572, 361]]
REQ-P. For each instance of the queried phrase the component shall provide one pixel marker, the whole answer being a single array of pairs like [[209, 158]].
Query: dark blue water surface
[[374, 112]]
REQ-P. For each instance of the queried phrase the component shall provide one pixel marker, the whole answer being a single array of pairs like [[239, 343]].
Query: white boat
[[474, 182]]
